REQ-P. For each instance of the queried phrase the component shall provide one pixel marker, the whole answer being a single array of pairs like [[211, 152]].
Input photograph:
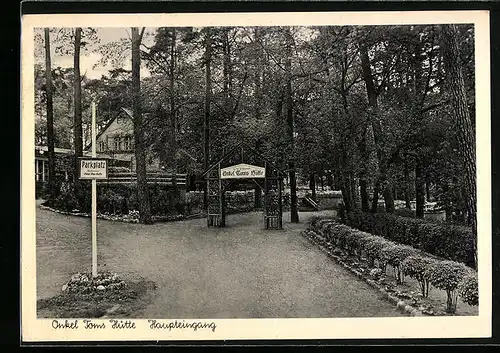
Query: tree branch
[[141, 34]]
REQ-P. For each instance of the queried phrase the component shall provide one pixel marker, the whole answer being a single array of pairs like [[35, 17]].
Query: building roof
[[108, 124]]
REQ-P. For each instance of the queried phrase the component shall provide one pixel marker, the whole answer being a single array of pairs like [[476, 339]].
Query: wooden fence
[[152, 178]]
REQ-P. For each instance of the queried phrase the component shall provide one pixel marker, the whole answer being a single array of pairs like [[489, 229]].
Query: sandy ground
[[241, 271]]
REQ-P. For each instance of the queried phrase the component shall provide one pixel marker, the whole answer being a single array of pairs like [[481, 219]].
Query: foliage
[[447, 275], [418, 267], [373, 247], [468, 289], [345, 130], [453, 277], [448, 241], [394, 255]]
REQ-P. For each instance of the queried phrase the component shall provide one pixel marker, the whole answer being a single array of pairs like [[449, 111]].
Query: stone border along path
[[241, 271], [401, 305]]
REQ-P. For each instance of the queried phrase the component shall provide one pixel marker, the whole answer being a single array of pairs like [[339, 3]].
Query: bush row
[[121, 199], [445, 240], [117, 199], [453, 277]]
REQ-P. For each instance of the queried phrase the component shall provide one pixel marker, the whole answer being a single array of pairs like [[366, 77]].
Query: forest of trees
[[379, 112]]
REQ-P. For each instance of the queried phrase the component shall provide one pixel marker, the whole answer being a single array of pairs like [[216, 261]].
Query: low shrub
[[447, 275], [356, 240], [116, 199], [453, 277], [468, 289], [112, 202], [315, 219], [325, 227], [394, 255], [418, 267], [341, 236], [66, 199], [452, 242], [372, 249]]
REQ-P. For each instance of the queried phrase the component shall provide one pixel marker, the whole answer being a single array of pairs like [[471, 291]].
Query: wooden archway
[[244, 162]]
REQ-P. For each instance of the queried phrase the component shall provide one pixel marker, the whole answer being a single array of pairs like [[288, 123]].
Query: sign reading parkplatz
[[93, 168], [240, 171]]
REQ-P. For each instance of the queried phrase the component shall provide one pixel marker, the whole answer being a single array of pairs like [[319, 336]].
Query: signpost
[[93, 168]]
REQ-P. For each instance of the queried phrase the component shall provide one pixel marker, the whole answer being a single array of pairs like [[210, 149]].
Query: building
[[42, 161], [115, 141]]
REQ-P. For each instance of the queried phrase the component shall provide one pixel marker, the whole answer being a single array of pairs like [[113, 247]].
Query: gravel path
[[242, 271]]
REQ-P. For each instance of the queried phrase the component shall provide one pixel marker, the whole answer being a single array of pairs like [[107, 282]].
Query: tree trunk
[[173, 117], [375, 124], [347, 193], [419, 189], [208, 98], [368, 77], [77, 113], [294, 212], [407, 185], [427, 188], [354, 191], [364, 170], [257, 105], [463, 124], [329, 181], [376, 192], [312, 185], [363, 188], [50, 118], [257, 190], [139, 139], [226, 73], [78, 138], [388, 198]]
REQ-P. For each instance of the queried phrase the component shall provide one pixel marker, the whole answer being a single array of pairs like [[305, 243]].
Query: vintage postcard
[[314, 175]]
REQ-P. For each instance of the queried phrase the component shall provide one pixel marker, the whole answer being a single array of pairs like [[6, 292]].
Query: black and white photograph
[[187, 175]]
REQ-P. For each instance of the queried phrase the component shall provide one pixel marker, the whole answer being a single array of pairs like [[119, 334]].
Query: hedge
[[117, 199], [453, 277], [121, 199], [444, 240]]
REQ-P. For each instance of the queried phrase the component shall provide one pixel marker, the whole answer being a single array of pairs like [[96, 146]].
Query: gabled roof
[[108, 124], [248, 147]]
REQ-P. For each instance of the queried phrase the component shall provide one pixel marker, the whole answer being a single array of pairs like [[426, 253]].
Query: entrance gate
[[243, 162]]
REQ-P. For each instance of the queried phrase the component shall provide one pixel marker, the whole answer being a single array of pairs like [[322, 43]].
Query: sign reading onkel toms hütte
[[240, 171], [93, 169]]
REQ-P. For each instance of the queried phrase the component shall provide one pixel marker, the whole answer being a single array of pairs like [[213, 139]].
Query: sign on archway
[[242, 171], [243, 162]]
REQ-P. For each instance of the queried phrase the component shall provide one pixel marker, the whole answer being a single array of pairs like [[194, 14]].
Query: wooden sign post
[[94, 168]]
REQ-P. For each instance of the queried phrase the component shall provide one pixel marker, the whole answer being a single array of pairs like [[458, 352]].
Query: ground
[[242, 271]]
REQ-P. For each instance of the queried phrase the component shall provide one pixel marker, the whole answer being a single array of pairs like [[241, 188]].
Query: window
[[41, 170], [116, 143], [128, 143], [45, 168], [37, 175]]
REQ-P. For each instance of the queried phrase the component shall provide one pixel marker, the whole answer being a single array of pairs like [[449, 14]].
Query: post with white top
[[94, 198]]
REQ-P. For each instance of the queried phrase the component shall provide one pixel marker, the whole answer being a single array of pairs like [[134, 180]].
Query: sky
[[88, 59]]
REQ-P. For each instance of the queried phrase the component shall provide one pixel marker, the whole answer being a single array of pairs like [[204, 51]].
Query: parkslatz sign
[[93, 168]]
